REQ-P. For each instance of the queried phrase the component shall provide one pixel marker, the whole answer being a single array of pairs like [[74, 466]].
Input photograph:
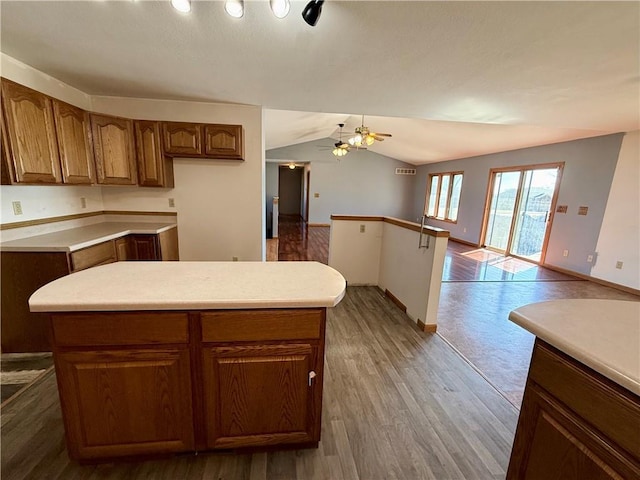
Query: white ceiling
[[447, 79]]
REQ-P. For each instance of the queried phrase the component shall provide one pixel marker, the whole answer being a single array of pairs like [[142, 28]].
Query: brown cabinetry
[[154, 169], [113, 145], [24, 272], [123, 402], [182, 138], [138, 383], [574, 423], [224, 141], [31, 135], [74, 143], [187, 139]]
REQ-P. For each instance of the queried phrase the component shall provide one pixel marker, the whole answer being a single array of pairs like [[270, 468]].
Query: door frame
[[516, 207]]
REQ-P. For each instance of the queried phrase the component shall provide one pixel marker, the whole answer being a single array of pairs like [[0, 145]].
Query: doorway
[[519, 210]]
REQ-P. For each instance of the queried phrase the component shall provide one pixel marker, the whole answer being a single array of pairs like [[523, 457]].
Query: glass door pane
[[503, 201], [538, 188]]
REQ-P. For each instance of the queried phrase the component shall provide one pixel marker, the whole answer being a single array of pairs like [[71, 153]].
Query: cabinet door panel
[[126, 402], [113, 148], [153, 169], [258, 395], [31, 134], [182, 138], [144, 247], [76, 151], [224, 141]]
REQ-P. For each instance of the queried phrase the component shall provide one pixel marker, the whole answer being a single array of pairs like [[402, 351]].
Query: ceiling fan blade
[[382, 134]]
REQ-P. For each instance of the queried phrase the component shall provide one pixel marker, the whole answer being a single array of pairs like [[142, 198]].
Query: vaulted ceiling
[[447, 79]]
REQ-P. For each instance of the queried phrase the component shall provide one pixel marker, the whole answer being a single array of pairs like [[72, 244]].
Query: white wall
[[619, 238], [387, 255], [220, 204]]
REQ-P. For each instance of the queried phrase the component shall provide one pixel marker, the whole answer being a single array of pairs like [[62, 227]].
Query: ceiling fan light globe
[[369, 139]]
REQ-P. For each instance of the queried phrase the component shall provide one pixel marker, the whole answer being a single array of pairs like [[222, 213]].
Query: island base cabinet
[[260, 395], [574, 424], [126, 402]]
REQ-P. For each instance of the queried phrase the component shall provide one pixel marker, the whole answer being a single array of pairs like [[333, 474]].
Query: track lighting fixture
[[312, 12], [183, 6], [280, 8], [235, 8]]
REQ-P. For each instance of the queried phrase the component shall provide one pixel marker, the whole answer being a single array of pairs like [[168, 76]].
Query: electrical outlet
[[83, 202], [619, 265], [235, 259], [362, 228], [17, 208], [172, 202], [316, 195], [589, 258], [565, 253], [464, 230]]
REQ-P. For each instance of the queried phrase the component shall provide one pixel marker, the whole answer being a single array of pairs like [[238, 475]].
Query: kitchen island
[[580, 416], [167, 357]]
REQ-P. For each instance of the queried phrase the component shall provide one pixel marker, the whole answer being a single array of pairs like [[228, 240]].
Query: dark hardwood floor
[[297, 241], [398, 404]]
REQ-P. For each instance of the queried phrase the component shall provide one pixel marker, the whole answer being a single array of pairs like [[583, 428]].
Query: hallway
[[479, 289]]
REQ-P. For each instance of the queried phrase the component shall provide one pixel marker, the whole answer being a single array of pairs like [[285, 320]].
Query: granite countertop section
[[77, 238], [131, 286], [602, 334]]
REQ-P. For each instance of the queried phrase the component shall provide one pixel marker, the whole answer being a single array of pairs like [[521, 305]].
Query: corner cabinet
[[31, 135], [154, 169], [196, 140], [113, 145]]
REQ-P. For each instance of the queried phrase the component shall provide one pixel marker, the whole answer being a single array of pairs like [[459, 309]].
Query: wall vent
[[405, 171]]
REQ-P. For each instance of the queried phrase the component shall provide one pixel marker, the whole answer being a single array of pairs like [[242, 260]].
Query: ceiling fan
[[364, 136], [341, 147]]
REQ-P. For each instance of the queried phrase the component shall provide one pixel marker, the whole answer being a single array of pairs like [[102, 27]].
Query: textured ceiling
[[462, 78]]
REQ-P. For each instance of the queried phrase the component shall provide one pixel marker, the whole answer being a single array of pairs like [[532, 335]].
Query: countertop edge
[[561, 344]]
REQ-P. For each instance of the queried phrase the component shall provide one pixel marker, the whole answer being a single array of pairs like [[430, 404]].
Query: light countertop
[[129, 286], [77, 238], [602, 334]]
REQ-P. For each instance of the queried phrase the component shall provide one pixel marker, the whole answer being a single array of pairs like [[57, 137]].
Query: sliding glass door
[[519, 210]]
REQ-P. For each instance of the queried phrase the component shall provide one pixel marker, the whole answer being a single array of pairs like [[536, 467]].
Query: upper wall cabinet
[[182, 138], [223, 142], [113, 147], [74, 143], [154, 169], [32, 148]]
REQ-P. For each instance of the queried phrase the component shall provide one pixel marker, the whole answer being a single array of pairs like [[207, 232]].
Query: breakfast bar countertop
[[136, 286], [601, 334], [78, 238]]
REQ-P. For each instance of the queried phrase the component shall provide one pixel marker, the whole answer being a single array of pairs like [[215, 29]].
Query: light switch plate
[[17, 208]]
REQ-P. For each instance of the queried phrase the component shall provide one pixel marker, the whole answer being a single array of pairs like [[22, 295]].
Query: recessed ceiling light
[[280, 8], [183, 6], [235, 8]]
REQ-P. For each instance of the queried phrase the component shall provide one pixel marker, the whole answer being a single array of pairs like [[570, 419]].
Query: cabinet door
[[182, 138], [224, 141], [154, 169], [168, 241], [33, 148], [259, 395], [74, 142], [126, 402], [123, 249], [144, 247], [113, 148]]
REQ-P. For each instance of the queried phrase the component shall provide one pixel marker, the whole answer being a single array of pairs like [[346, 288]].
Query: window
[[443, 196]]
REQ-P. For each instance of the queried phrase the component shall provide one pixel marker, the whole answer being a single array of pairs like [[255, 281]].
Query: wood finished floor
[[297, 241], [398, 404]]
